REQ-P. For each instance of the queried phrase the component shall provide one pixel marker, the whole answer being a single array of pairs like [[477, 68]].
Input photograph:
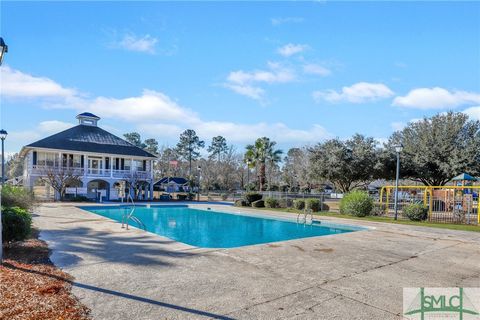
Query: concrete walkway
[[134, 274]]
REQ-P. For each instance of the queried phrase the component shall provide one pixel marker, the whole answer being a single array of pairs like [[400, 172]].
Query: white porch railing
[[90, 172]]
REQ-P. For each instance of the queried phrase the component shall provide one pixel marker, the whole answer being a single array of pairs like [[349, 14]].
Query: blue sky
[[299, 72]]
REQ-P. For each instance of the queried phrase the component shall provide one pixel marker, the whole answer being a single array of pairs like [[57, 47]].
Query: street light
[[3, 136], [3, 49], [398, 148], [199, 169]]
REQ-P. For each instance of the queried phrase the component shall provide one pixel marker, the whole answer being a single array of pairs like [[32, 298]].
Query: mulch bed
[[31, 287]]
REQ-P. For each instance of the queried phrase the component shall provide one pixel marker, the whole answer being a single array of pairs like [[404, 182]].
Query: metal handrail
[[129, 216], [305, 214]]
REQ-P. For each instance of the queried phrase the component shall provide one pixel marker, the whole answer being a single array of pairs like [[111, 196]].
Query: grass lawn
[[451, 226]]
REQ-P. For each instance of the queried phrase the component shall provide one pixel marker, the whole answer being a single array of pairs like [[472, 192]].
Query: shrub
[[258, 204], [79, 199], [241, 203], [17, 224], [251, 197], [356, 203], [182, 197], [224, 196], [299, 204], [325, 207], [416, 212], [379, 209], [13, 196], [313, 204], [285, 203], [271, 203]]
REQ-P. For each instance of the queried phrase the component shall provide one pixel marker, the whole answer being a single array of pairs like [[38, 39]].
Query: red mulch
[[31, 287]]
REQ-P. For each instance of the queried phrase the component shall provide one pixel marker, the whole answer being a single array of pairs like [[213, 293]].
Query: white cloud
[[53, 126], [276, 73], [157, 114], [358, 93], [291, 49], [436, 98], [135, 43], [255, 93], [241, 132], [150, 106], [398, 126], [16, 84], [473, 112], [43, 129], [280, 21], [247, 82], [316, 69]]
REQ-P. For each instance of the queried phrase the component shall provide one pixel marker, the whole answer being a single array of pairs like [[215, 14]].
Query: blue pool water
[[213, 229]]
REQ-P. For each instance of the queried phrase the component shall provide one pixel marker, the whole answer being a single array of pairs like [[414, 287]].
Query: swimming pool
[[214, 229]]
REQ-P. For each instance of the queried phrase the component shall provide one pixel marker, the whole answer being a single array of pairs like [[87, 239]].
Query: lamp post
[[398, 149], [199, 169], [3, 136]]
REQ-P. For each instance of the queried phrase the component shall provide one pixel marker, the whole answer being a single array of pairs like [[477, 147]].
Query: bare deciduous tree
[[59, 178]]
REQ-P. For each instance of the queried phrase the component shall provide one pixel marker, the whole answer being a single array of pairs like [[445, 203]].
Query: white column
[[85, 164], [151, 190], [111, 167]]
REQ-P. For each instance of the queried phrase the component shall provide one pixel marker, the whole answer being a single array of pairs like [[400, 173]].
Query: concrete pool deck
[[132, 274]]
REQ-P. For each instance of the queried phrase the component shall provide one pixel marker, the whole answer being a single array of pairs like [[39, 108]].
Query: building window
[[128, 164], [47, 159], [77, 161], [138, 165], [41, 158]]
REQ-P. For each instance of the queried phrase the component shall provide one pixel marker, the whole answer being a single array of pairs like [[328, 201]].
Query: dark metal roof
[[90, 139], [88, 114], [177, 180]]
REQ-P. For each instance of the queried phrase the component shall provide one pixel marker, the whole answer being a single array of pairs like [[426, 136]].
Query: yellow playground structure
[[457, 203]]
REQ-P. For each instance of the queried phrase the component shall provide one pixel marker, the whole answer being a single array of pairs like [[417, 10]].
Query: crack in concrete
[[362, 302]]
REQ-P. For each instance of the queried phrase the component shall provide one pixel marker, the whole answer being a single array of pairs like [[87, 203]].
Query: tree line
[[435, 150]]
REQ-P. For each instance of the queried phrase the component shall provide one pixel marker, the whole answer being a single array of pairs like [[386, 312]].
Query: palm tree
[[263, 152]]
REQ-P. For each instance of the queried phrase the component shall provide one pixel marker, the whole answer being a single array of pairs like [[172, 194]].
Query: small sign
[[441, 303]]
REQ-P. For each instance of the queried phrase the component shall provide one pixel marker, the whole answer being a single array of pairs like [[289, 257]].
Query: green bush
[[258, 204], [313, 204], [271, 203], [356, 203], [79, 199], [241, 203], [13, 196], [285, 203], [299, 204], [416, 212], [325, 207], [17, 224], [379, 209], [251, 197]]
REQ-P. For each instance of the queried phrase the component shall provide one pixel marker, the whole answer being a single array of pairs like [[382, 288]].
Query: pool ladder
[[130, 216], [304, 215]]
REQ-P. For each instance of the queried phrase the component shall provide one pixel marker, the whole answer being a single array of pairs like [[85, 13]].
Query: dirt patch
[[33, 288], [299, 248], [274, 245], [327, 250]]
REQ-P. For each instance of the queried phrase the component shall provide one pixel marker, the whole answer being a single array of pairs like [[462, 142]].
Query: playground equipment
[[456, 203]]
